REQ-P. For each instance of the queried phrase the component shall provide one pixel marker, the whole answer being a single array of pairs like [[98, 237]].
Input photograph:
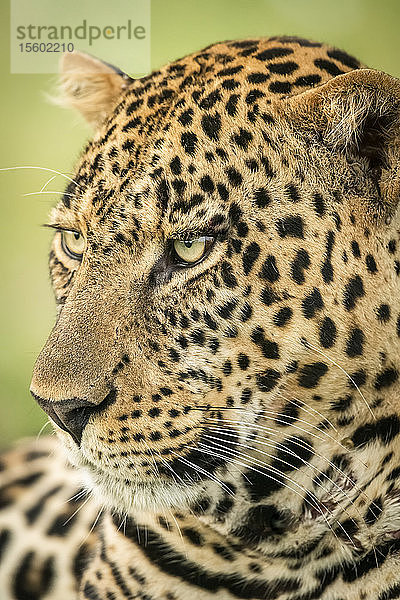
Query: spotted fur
[[236, 420]]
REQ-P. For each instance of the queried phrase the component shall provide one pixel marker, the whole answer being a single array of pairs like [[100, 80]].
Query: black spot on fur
[[269, 270], [293, 193], [328, 66], [355, 342], [272, 53], [355, 248], [292, 226], [261, 522], [249, 257], [386, 378], [327, 333], [33, 577], [283, 316], [235, 178], [268, 296], [262, 198], [383, 313], [319, 204], [231, 105], [211, 125], [384, 430], [267, 380], [312, 303], [269, 349], [300, 263], [292, 453], [242, 138], [352, 292], [261, 484], [5, 538], [189, 141], [311, 374], [280, 87], [327, 268], [371, 263], [344, 58]]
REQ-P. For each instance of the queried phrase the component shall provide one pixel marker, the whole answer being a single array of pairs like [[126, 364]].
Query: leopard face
[[225, 269]]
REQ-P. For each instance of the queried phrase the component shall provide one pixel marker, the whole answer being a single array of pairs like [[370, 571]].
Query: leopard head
[[226, 272]]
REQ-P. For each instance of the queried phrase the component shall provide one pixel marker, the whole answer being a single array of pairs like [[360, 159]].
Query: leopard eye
[[192, 251], [73, 244]]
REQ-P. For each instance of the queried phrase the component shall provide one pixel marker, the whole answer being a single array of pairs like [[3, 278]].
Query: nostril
[[72, 415]]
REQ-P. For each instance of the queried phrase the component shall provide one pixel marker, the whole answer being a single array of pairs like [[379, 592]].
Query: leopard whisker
[[308, 345], [93, 526], [42, 169], [283, 422], [232, 458], [204, 472], [273, 414], [246, 457], [174, 474], [322, 431], [42, 429], [47, 183], [78, 495], [233, 455], [273, 432], [48, 192], [179, 531], [320, 456], [77, 510], [157, 471], [306, 463], [301, 404]]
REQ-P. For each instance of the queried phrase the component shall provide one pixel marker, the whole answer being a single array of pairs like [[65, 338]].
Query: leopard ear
[[358, 113], [90, 85]]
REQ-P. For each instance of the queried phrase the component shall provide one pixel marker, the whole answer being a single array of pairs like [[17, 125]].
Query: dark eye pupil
[[77, 236], [188, 244]]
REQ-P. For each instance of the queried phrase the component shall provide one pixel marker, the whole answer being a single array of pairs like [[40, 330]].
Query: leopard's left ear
[[357, 113], [90, 85]]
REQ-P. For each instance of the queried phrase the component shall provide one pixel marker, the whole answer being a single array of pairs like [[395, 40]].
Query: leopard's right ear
[[357, 114], [90, 85]]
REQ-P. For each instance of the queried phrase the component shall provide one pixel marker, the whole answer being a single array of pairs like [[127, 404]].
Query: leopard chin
[[129, 495], [132, 497]]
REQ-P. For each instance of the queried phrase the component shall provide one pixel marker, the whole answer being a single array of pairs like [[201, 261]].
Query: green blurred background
[[35, 132]]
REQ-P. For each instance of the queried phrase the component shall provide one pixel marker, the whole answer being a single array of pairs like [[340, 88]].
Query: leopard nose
[[72, 415]]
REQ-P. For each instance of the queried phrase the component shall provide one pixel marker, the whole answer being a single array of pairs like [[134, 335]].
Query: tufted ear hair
[[358, 113], [90, 85]]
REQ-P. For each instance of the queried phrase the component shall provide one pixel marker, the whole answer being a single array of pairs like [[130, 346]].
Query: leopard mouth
[[161, 487]]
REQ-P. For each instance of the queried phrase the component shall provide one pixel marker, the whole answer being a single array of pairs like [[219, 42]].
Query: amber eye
[[73, 244], [192, 251]]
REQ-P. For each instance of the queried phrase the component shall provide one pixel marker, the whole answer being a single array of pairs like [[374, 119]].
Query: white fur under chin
[[138, 496]]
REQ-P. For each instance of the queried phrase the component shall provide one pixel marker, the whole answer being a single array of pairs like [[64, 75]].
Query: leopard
[[223, 372]]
